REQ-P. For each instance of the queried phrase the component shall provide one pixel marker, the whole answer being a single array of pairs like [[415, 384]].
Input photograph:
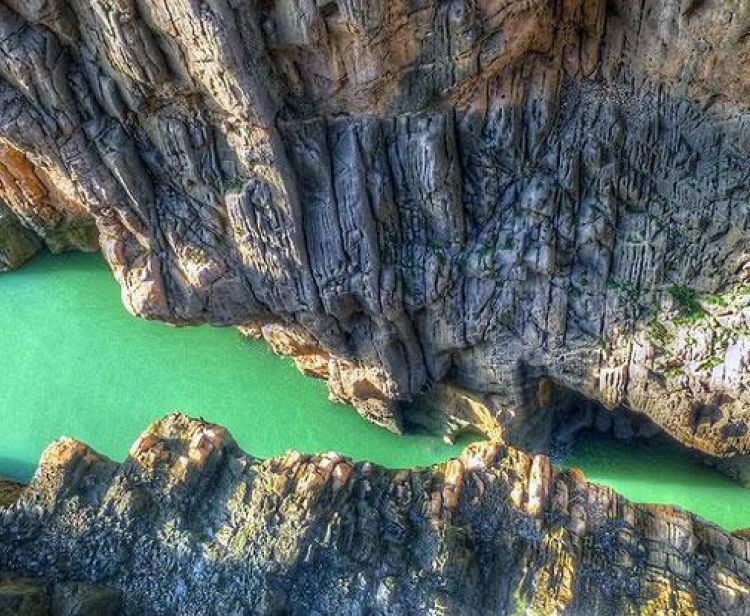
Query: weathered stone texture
[[40, 597], [488, 192], [9, 492], [36, 201], [17, 244], [189, 524]]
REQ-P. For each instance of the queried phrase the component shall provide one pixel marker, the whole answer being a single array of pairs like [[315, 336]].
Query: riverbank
[[83, 367], [190, 524], [661, 472]]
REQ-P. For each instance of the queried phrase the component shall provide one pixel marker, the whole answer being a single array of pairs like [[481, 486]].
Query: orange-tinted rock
[[50, 210]]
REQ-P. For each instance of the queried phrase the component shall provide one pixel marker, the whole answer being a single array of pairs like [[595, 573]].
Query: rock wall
[[40, 597], [492, 193], [9, 492], [189, 524], [38, 204], [17, 244]]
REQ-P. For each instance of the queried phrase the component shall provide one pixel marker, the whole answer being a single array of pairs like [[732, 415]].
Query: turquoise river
[[74, 362]]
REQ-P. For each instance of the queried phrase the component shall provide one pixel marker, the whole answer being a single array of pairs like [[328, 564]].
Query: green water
[[74, 362], [662, 473]]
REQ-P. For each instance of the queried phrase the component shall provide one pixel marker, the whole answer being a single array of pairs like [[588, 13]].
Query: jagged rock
[[190, 524], [40, 205], [39, 597], [349, 382], [489, 193], [17, 244], [9, 492]]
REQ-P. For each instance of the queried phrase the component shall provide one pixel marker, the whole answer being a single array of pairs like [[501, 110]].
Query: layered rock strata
[[36, 213], [486, 192], [36, 198], [189, 524]]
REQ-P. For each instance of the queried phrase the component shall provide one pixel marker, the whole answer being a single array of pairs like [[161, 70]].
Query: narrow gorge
[[519, 222]]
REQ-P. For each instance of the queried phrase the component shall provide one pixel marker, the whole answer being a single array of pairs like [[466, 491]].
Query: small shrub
[[659, 334], [710, 363], [687, 298]]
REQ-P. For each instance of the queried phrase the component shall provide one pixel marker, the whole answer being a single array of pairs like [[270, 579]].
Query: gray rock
[[191, 525], [483, 193]]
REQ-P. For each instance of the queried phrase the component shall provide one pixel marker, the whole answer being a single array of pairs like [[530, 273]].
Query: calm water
[[74, 362], [663, 474]]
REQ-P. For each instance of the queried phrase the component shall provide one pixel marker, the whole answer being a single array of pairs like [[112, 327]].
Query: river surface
[[662, 473], [74, 362]]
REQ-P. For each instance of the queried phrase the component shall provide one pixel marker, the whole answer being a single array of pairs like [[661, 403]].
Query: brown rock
[[494, 531]]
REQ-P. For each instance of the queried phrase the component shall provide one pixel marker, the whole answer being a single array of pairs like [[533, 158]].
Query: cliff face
[[191, 525], [509, 195], [35, 597]]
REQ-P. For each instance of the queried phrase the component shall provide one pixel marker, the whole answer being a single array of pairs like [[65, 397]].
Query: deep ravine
[[83, 367]]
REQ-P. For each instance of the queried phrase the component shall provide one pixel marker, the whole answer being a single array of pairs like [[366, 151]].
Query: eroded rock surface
[[9, 492], [41, 597], [38, 203], [189, 524], [17, 244], [486, 192]]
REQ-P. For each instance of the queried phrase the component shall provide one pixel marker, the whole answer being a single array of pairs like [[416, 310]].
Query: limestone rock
[[17, 244], [488, 193], [39, 204], [190, 524]]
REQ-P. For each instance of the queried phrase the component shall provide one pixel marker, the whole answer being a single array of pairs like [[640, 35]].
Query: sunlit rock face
[[189, 524], [37, 201], [492, 193], [34, 212]]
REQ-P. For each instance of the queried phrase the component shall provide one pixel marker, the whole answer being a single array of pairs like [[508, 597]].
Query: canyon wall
[[189, 524], [504, 195]]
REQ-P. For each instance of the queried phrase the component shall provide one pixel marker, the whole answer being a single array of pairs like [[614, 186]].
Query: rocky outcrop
[[37, 201], [491, 193], [36, 597], [17, 244], [35, 211], [190, 524], [9, 492]]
